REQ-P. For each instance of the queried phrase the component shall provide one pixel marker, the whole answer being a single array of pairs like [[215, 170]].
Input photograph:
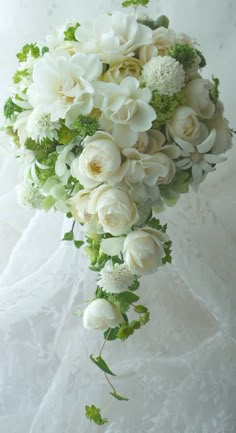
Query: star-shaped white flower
[[199, 157]]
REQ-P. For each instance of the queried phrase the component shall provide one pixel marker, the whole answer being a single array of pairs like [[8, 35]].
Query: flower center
[[196, 157]]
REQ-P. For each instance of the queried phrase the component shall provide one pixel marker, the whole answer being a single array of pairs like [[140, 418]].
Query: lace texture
[[179, 371]]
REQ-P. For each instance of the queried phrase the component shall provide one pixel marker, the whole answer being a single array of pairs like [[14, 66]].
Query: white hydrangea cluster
[[164, 74]]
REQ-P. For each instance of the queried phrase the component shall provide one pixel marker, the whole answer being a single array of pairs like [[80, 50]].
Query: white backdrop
[[180, 371]]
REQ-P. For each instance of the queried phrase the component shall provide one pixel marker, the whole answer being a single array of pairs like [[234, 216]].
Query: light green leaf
[[69, 236], [78, 244], [99, 361], [118, 397]]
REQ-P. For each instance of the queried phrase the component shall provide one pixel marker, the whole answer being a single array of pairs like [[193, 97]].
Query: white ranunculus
[[125, 110], [184, 124], [62, 83], [113, 37], [223, 140], [116, 212], [101, 315], [130, 67], [146, 53], [164, 39], [143, 250], [144, 168], [99, 162], [198, 97], [169, 166]]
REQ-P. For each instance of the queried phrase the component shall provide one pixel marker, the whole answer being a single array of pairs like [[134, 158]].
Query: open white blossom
[[125, 110], [198, 158], [164, 39], [39, 126], [29, 196], [101, 314], [62, 83], [113, 37], [164, 74], [115, 278]]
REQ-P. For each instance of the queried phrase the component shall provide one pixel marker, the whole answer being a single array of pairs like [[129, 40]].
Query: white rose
[[79, 209], [198, 97], [125, 110], [184, 124], [116, 212], [167, 164], [130, 67], [101, 315], [113, 37], [223, 140], [146, 53], [143, 250], [99, 162], [164, 39]]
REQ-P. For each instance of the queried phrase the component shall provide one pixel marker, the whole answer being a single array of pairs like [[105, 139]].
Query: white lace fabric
[[179, 371]]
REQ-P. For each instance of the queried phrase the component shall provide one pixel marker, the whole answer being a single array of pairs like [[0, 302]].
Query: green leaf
[[162, 21], [99, 361], [28, 49], [135, 3], [128, 297], [85, 125], [203, 60], [69, 236], [44, 50], [93, 413], [10, 108], [78, 244], [184, 54], [48, 203], [214, 93], [140, 309], [111, 334], [19, 75], [167, 248], [118, 397], [69, 34], [135, 285]]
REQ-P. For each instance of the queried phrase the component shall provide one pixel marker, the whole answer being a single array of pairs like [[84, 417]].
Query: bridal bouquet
[[111, 121]]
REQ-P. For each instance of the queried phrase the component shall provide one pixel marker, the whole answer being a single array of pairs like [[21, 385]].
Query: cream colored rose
[[184, 124], [114, 208], [101, 315], [223, 140], [146, 53], [166, 162], [99, 162], [130, 67], [79, 209], [143, 250], [198, 97], [163, 40]]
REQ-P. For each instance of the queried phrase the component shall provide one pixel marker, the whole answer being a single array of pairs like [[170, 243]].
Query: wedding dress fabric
[[179, 371]]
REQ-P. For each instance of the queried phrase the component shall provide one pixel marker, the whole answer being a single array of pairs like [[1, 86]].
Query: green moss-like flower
[[215, 93], [19, 75], [134, 3], [69, 34], [28, 49], [184, 54], [93, 413], [165, 106], [203, 60], [85, 125]]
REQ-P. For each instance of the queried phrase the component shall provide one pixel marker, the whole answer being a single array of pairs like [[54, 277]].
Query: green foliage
[[128, 328], [19, 75], [48, 203], [165, 106], [49, 161], [93, 413], [69, 236], [203, 60], [84, 126], [118, 397], [135, 285], [97, 257], [215, 93], [44, 50], [69, 34], [28, 49], [154, 223], [100, 363], [122, 300], [161, 21], [10, 108], [41, 150], [111, 334], [66, 135], [184, 54], [135, 3], [140, 309], [167, 249], [78, 244]]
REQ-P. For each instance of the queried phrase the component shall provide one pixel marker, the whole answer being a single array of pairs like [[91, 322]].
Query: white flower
[[146, 53], [223, 139], [144, 168], [143, 250], [29, 196], [164, 74], [164, 39], [113, 37], [62, 83], [130, 67], [184, 124], [115, 278], [116, 212], [198, 98], [56, 41], [80, 211], [125, 110], [99, 162], [199, 158], [63, 162], [101, 314], [20, 126], [39, 126]]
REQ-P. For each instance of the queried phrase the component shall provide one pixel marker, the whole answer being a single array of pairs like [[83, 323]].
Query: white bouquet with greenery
[[111, 121]]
